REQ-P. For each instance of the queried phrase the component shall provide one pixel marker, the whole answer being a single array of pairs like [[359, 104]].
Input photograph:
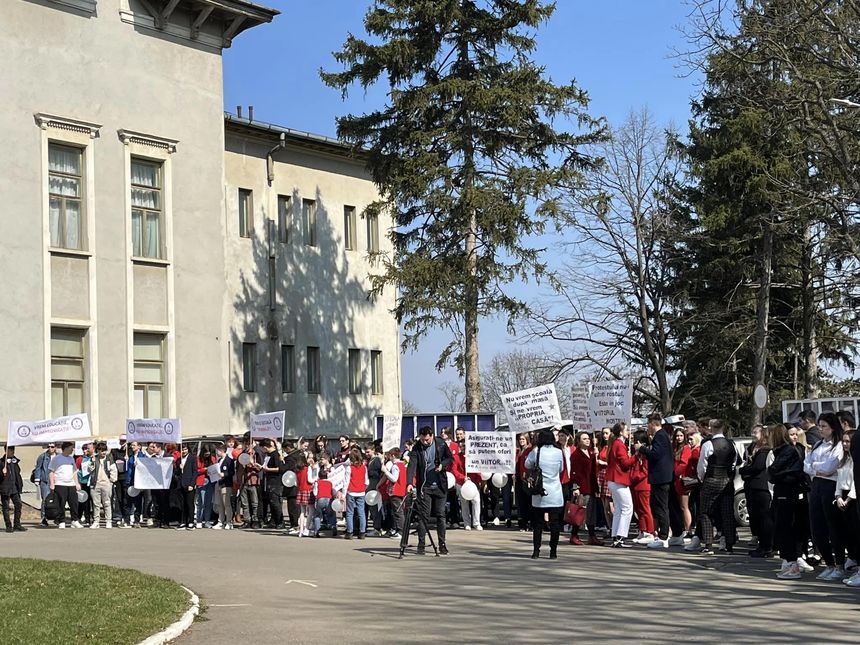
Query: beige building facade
[[160, 259]]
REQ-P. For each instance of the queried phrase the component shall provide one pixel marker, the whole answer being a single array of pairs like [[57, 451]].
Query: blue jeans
[[204, 502], [44, 491], [322, 508], [134, 507], [352, 503]]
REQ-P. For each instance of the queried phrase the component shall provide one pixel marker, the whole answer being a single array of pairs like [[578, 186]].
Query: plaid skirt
[[602, 484], [304, 498]]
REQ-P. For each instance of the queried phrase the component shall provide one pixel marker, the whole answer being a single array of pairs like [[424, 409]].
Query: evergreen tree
[[468, 155]]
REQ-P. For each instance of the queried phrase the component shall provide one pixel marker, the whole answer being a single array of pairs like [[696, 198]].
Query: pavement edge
[[175, 630]]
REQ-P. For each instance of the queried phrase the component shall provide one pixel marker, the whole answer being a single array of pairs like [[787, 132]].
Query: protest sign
[[153, 473], [490, 452], [579, 416], [337, 477], [391, 428], [158, 430], [610, 402], [30, 433], [213, 472], [268, 426], [532, 409]]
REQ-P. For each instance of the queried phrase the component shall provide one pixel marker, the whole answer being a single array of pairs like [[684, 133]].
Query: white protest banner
[[610, 402], [532, 409], [157, 430], [267, 426], [153, 473], [113, 444], [391, 425], [337, 477], [490, 452], [579, 406], [30, 433], [213, 472]]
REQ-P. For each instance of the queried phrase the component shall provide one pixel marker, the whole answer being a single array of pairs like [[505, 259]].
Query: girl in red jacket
[[619, 462], [583, 476], [682, 452], [641, 491]]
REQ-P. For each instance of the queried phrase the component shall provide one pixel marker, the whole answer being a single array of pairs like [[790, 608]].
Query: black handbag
[[534, 479]]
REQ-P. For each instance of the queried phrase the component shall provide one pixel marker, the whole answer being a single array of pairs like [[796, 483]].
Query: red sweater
[[619, 464], [639, 474], [521, 463], [323, 489], [302, 480], [357, 476], [584, 466], [398, 488], [458, 468], [201, 472]]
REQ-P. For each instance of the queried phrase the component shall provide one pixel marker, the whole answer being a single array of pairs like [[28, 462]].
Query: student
[[716, 470], [356, 475], [394, 471], [84, 465], [583, 466], [103, 477], [43, 461], [272, 469], [682, 451], [757, 492], [189, 471], [134, 505], [63, 477], [619, 463], [524, 500], [306, 476], [547, 508], [640, 489], [785, 473], [223, 486], [11, 487], [846, 519], [323, 492]]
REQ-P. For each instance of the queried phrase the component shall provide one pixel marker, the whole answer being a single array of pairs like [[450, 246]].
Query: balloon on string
[[289, 479], [337, 506], [132, 491], [499, 479], [244, 459], [82, 496], [486, 476], [371, 498], [469, 491], [451, 481]]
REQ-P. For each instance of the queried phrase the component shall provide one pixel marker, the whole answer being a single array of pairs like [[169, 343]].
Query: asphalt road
[[265, 587]]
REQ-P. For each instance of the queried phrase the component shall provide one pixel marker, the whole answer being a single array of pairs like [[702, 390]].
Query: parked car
[[742, 515]]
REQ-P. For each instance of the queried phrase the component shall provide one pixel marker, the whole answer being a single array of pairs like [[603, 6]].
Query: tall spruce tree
[[469, 155]]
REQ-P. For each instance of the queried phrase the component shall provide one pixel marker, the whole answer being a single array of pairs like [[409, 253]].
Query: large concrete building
[[161, 259]]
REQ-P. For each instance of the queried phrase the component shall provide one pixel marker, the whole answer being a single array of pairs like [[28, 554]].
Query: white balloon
[[289, 479], [451, 481], [82, 496], [486, 476], [337, 506], [499, 479], [469, 491], [244, 459], [132, 491], [371, 498]]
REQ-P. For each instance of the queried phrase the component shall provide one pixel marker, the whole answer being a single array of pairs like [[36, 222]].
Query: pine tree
[[467, 157]]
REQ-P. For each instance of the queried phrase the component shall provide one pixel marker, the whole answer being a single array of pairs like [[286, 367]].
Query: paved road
[[488, 590]]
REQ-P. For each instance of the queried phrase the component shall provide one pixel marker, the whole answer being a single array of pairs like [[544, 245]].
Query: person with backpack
[[545, 464], [11, 487], [41, 475]]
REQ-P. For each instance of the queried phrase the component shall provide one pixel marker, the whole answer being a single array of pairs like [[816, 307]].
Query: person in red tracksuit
[[641, 491], [583, 476]]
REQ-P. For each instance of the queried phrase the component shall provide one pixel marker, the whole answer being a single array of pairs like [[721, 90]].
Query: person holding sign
[[547, 507], [273, 487], [619, 465]]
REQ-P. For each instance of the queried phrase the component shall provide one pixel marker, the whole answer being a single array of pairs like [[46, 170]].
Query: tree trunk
[[762, 317], [810, 345], [472, 364]]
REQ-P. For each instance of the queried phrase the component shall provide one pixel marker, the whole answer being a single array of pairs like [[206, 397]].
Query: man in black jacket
[[429, 459], [661, 464], [11, 486]]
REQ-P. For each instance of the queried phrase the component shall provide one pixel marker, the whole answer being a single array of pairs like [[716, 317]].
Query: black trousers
[[85, 509], [676, 517], [524, 506], [276, 507], [293, 511], [432, 504], [660, 509], [761, 518], [162, 501], [67, 496], [396, 504], [454, 514], [822, 516], [118, 501], [845, 523], [555, 514], [188, 497], [15, 498], [785, 515]]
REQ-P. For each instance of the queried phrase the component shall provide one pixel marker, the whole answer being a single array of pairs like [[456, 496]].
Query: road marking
[[243, 605], [302, 582]]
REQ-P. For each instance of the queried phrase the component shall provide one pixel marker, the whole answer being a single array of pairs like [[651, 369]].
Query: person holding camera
[[430, 458]]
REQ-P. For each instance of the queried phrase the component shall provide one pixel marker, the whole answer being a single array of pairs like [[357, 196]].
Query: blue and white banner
[[267, 426], [35, 433], [157, 430]]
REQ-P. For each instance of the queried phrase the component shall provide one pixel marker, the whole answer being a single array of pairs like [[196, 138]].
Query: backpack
[[52, 506], [534, 478]]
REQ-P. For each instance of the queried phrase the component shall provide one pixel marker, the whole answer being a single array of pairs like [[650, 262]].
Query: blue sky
[[619, 51]]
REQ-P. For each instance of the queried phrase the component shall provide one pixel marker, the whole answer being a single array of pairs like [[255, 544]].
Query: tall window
[[146, 209], [284, 207], [372, 233], [309, 222], [313, 362], [149, 376], [376, 372], [288, 368], [65, 188], [246, 212], [249, 367], [355, 371], [68, 371], [349, 227]]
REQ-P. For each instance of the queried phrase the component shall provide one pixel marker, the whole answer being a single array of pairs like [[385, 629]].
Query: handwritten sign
[[391, 425], [490, 452], [267, 426], [532, 409], [610, 402], [579, 406]]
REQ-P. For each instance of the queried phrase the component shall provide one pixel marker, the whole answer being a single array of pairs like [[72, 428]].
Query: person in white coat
[[549, 507]]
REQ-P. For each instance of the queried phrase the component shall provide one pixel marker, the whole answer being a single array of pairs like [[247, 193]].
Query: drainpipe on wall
[[270, 162]]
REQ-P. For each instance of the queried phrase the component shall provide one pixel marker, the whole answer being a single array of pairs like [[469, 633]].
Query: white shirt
[[845, 479], [391, 471], [704, 455], [64, 470], [822, 461]]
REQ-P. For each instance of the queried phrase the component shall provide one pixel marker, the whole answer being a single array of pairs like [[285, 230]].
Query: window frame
[[354, 379], [372, 225], [349, 228], [147, 387], [64, 383], [82, 197], [288, 369], [246, 218], [376, 372], [160, 212], [314, 385], [285, 209], [309, 223], [249, 349]]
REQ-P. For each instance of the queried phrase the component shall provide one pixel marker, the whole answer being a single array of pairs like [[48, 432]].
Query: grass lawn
[[52, 602]]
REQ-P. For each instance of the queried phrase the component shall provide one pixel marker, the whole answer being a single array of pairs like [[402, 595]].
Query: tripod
[[416, 511]]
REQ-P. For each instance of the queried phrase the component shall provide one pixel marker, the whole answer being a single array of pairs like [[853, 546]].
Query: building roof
[[269, 131]]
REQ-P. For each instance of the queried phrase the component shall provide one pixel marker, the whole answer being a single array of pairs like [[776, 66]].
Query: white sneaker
[[838, 573], [825, 575], [804, 565], [94, 525], [694, 545], [77, 525], [785, 565], [149, 522], [467, 528], [216, 526], [791, 573], [658, 544], [228, 526], [61, 525], [496, 521], [199, 525], [645, 538], [677, 541], [479, 528], [850, 564], [108, 525], [853, 581]]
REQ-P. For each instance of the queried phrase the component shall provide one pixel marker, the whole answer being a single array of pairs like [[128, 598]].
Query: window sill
[[151, 261], [87, 6], [57, 250]]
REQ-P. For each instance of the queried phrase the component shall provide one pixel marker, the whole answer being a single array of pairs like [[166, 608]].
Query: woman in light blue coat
[[549, 507]]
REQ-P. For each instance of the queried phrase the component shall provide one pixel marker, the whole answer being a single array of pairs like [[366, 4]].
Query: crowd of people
[[677, 481]]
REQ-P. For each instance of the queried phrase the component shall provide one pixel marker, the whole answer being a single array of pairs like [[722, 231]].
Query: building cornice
[[129, 136], [45, 121]]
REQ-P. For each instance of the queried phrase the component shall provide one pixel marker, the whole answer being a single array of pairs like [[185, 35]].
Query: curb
[[175, 630]]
